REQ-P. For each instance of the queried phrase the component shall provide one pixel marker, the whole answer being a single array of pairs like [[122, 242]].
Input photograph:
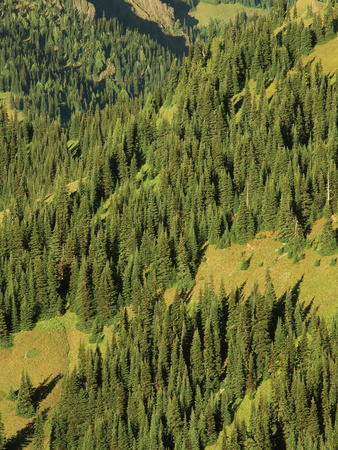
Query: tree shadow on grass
[[44, 389], [22, 438], [182, 12], [294, 293]]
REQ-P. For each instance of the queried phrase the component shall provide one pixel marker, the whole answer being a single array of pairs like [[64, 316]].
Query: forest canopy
[[119, 162]]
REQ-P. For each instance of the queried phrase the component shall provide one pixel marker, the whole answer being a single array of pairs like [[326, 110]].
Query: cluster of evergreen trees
[[55, 61], [232, 161], [173, 377], [115, 205]]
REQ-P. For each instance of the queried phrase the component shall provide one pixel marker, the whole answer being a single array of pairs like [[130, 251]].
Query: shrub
[[11, 395]]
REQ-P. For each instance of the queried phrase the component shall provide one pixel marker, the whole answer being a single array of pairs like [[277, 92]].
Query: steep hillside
[[318, 284], [222, 12], [135, 183], [327, 55], [155, 10]]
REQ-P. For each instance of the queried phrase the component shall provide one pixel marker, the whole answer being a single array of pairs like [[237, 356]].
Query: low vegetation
[[205, 12]]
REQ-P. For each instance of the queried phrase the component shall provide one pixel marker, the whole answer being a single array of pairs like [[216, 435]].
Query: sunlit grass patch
[[206, 11]]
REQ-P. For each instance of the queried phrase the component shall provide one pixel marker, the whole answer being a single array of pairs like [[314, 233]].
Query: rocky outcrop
[[84, 7]]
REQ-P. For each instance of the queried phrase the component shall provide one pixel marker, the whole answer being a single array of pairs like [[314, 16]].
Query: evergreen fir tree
[[163, 261], [38, 437], [2, 435], [327, 238], [24, 404], [3, 327], [183, 276], [244, 225]]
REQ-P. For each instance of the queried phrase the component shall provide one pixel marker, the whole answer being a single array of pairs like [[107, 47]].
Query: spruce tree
[[2, 435], [38, 437], [184, 278], [24, 404], [327, 238], [163, 261], [3, 328], [244, 225]]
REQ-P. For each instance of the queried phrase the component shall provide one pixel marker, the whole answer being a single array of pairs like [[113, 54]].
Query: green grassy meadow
[[47, 352], [206, 11], [318, 285]]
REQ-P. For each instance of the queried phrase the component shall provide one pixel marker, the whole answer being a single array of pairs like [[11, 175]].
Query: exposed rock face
[[85, 7], [154, 10]]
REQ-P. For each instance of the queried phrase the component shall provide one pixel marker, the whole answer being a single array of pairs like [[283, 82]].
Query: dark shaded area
[[25, 435], [182, 12], [22, 438], [307, 309], [279, 310], [124, 13], [45, 389], [295, 291]]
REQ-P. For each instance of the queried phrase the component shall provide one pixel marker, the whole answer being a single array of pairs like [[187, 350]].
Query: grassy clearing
[[303, 5], [244, 411], [326, 53], [71, 188], [46, 358], [319, 283], [47, 352], [306, 9], [206, 11], [32, 352], [167, 113], [143, 172], [5, 98]]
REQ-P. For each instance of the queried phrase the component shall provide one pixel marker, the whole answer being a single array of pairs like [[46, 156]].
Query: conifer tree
[[26, 315], [38, 437], [183, 276], [260, 330], [2, 435], [163, 261], [175, 418], [84, 301], [327, 238], [269, 207], [193, 433], [3, 327], [106, 295], [196, 357], [24, 404], [244, 225]]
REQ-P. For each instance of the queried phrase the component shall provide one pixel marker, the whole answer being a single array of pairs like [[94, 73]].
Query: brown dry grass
[[57, 342], [5, 98], [48, 364], [302, 7], [225, 12]]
